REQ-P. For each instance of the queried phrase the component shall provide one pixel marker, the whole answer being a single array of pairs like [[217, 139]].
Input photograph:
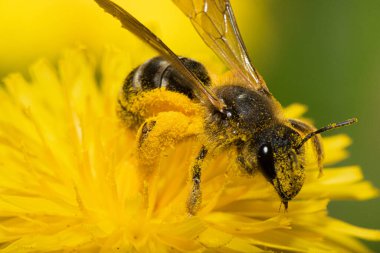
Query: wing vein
[[138, 29], [217, 27]]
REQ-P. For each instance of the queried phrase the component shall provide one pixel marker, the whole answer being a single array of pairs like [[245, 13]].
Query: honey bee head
[[273, 152]]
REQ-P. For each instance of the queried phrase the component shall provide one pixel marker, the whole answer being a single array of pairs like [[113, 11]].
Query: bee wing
[[142, 32], [215, 22]]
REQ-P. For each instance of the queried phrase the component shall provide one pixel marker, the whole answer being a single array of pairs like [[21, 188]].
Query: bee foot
[[194, 200]]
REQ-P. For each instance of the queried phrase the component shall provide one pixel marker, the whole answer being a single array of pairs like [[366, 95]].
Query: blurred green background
[[322, 53], [326, 54]]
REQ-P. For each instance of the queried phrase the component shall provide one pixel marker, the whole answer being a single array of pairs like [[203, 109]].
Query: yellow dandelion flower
[[70, 178]]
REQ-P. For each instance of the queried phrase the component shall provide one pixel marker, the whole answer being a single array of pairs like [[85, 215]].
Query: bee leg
[[146, 128], [317, 144], [241, 161], [250, 170], [158, 134], [195, 198], [155, 136]]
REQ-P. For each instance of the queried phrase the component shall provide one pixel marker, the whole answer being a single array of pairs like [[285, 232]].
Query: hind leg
[[159, 133], [155, 136], [195, 198]]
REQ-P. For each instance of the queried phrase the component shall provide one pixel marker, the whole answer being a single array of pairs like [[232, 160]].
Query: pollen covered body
[[162, 113], [243, 114], [145, 91], [155, 100]]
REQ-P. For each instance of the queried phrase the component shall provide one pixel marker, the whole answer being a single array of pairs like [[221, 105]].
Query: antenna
[[326, 128]]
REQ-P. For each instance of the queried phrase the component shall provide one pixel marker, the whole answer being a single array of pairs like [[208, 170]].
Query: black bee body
[[159, 73], [247, 110], [243, 115], [252, 122]]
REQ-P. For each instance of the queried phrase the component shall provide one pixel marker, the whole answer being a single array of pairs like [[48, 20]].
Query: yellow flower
[[70, 178]]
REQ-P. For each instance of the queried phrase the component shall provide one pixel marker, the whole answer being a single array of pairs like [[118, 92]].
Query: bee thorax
[[247, 111]]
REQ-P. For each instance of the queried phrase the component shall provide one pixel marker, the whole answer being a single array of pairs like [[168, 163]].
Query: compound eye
[[266, 161]]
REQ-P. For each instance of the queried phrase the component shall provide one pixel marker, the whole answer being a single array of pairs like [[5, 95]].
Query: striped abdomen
[[156, 73]]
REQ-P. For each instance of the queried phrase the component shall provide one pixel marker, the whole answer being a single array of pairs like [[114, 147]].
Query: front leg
[[317, 143], [248, 168], [195, 198]]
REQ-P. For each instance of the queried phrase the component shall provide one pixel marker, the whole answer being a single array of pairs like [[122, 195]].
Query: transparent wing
[[215, 22], [138, 29]]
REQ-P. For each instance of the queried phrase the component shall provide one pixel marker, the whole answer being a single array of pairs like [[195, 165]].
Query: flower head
[[71, 178]]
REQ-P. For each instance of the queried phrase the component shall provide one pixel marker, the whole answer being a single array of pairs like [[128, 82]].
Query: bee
[[243, 115]]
